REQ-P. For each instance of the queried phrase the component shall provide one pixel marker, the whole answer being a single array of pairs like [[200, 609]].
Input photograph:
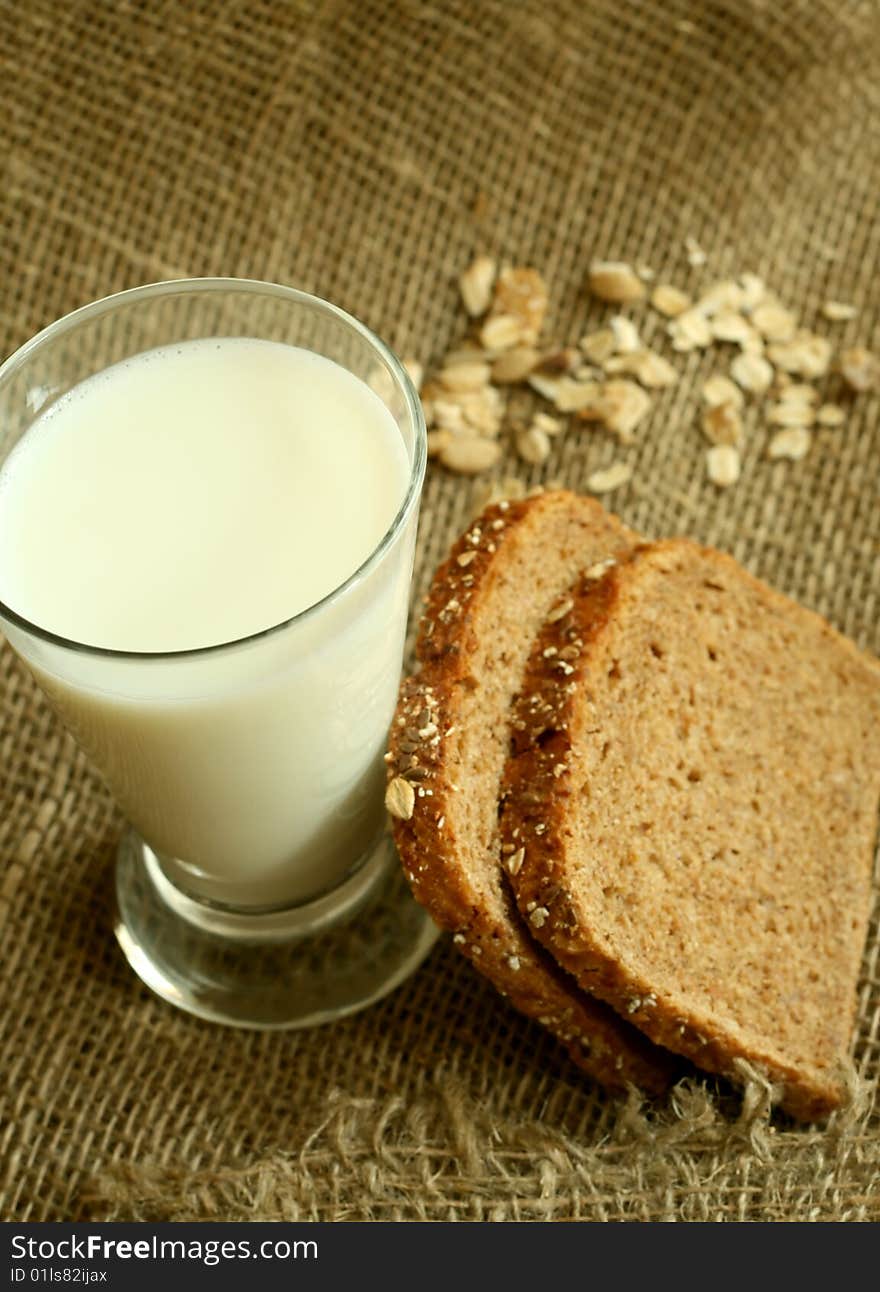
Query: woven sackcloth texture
[[364, 150]]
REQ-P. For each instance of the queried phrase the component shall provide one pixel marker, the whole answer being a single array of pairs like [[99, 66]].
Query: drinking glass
[[257, 883]]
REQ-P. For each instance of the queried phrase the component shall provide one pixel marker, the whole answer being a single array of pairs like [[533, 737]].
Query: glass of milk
[[208, 501]]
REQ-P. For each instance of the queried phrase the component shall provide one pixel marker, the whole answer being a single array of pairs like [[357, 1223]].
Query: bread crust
[[538, 787], [600, 1042]]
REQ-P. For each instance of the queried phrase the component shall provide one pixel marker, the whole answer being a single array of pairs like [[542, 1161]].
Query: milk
[[193, 496]]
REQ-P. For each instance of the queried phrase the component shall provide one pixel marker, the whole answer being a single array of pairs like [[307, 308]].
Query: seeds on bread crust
[[400, 798]]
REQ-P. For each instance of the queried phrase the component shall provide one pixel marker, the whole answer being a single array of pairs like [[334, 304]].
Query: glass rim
[[167, 287]]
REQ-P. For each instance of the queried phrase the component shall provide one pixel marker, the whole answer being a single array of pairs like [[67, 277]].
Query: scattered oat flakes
[[690, 331], [774, 322], [831, 415], [615, 282], [520, 294], [839, 312], [625, 333], [549, 425], [599, 346], [695, 253], [501, 332], [722, 424], [719, 389], [470, 454], [722, 297], [482, 410], [728, 326], [670, 301], [753, 290], [791, 413], [609, 478], [752, 372], [792, 443], [621, 406], [860, 369], [795, 392], [753, 343], [475, 285], [533, 445], [566, 394], [805, 355], [648, 367], [514, 365], [400, 798], [723, 465], [467, 352], [464, 402], [445, 413], [464, 376]]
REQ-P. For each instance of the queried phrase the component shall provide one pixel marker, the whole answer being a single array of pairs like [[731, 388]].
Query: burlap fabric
[[363, 150]]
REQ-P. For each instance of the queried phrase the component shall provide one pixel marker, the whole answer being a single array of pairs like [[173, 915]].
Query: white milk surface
[[192, 496], [195, 495]]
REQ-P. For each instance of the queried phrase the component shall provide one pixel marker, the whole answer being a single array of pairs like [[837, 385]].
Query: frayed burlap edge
[[446, 1159]]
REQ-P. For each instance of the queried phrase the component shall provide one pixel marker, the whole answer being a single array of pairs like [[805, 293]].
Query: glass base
[[289, 968]]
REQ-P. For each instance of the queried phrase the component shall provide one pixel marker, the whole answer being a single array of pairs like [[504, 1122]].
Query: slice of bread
[[448, 746], [695, 783]]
